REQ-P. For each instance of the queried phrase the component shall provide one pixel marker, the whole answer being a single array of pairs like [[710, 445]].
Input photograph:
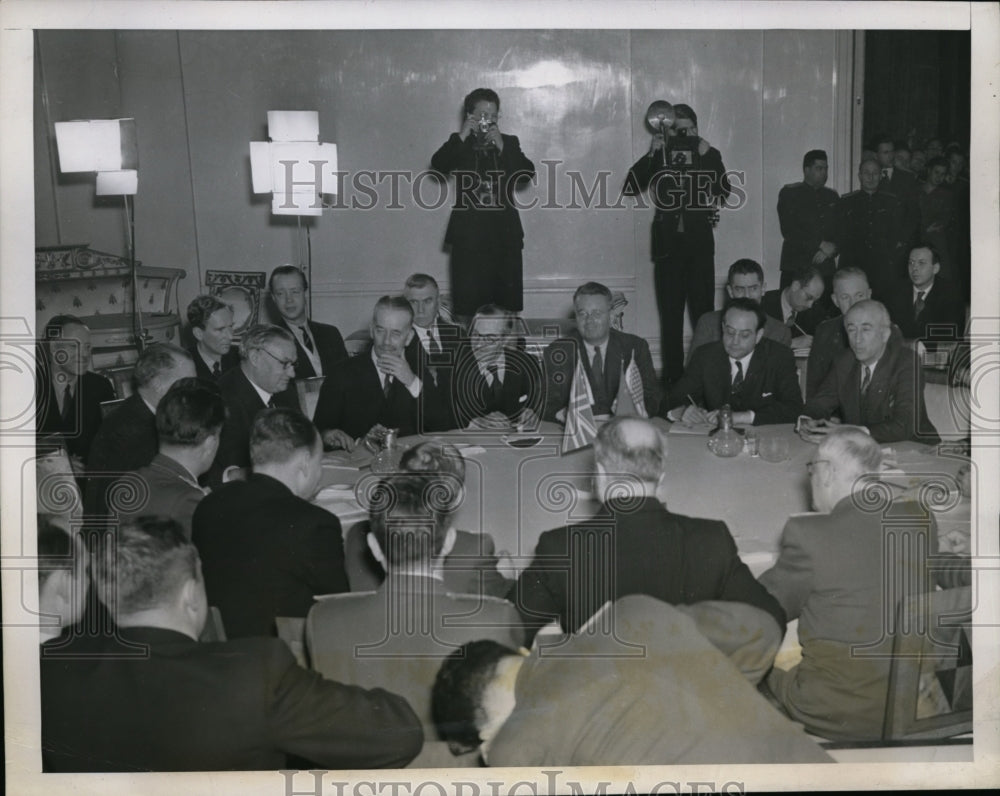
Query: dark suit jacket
[[904, 186], [807, 320], [872, 236], [522, 387], [78, 432], [172, 491], [770, 385], [265, 553], [677, 559], [188, 706], [242, 405], [352, 400], [470, 567], [831, 576], [808, 216], [125, 442], [437, 373], [828, 343], [329, 345], [708, 329], [559, 363], [943, 316], [230, 360], [892, 410], [397, 636]]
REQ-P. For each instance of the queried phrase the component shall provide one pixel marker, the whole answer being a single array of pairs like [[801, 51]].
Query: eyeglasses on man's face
[[285, 363]]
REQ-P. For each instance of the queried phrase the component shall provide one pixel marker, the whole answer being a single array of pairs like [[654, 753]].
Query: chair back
[[107, 407], [308, 390], [930, 676]]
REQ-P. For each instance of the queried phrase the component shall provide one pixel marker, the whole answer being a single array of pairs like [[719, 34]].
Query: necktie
[[307, 340], [918, 305], [885, 174], [791, 319], [386, 384], [738, 378], [216, 370], [866, 379], [68, 410], [270, 403], [496, 386], [433, 345], [597, 367]]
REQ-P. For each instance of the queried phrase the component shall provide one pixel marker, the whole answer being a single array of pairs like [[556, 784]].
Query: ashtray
[[521, 442]]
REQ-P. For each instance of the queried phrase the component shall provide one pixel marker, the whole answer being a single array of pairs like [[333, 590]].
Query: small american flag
[[630, 401]]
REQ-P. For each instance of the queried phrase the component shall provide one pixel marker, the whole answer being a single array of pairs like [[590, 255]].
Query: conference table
[[516, 493]]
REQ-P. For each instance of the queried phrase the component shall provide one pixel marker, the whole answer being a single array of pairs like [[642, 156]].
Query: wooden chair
[[930, 679], [292, 630], [107, 407]]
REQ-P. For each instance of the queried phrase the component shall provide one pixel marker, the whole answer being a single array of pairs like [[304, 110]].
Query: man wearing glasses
[[607, 354], [267, 364]]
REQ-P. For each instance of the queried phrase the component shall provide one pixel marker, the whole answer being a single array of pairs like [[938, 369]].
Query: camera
[[482, 130], [682, 150]]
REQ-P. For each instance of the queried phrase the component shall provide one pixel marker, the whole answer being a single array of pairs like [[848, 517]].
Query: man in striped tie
[[877, 386]]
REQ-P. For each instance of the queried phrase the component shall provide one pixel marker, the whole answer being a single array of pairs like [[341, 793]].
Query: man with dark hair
[[497, 384], [876, 385], [793, 304], [127, 439], [266, 550], [745, 280], [188, 423], [435, 346], [211, 322], [267, 365], [151, 698], [871, 231], [63, 579], [68, 394], [850, 285], [927, 307], [807, 212], [754, 376], [377, 389], [607, 354], [484, 231], [678, 559], [397, 635], [686, 191], [646, 689], [318, 346]]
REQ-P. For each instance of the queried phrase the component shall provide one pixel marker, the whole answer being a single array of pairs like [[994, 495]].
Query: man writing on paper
[[752, 374]]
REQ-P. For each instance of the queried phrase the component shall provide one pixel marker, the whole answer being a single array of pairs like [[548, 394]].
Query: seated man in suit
[[842, 572], [378, 388], [649, 692], [396, 636], [470, 567], [927, 307], [211, 322], [745, 280], [435, 345], [680, 560], [318, 346], [127, 440], [876, 385], [68, 395], [188, 423], [497, 384], [152, 698], [267, 365], [793, 305], [850, 285], [265, 549], [755, 376], [606, 352], [63, 581]]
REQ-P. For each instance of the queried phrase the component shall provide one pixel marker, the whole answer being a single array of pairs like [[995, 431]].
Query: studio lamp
[[109, 148]]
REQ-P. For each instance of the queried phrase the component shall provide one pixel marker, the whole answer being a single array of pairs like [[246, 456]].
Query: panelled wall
[[388, 99]]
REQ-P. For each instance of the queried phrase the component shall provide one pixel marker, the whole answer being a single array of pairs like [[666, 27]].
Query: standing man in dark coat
[[870, 231], [484, 231], [688, 180]]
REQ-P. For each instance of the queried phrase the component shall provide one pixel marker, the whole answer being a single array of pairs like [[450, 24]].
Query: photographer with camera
[[687, 181], [484, 231]]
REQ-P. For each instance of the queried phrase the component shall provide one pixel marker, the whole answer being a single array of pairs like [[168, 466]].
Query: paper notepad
[[694, 429]]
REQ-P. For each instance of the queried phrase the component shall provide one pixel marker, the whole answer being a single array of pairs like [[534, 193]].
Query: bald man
[[877, 386], [680, 560]]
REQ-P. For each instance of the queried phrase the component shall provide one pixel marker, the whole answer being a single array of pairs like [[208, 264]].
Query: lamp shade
[[105, 146]]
